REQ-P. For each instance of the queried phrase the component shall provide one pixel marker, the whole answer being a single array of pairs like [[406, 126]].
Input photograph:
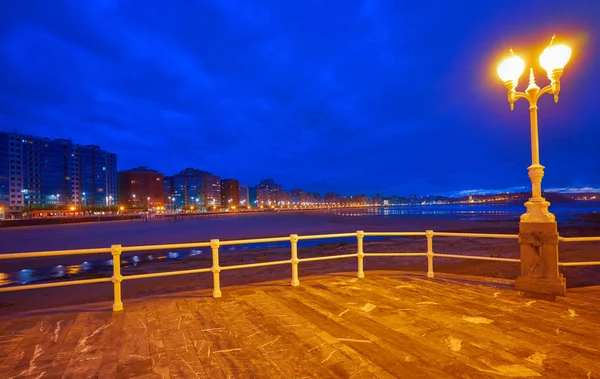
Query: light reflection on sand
[[4, 279]]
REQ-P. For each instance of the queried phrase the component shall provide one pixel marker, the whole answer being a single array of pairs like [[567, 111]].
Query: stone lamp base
[[539, 259]]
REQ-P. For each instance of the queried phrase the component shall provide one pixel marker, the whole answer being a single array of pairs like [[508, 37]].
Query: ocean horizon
[[565, 212]]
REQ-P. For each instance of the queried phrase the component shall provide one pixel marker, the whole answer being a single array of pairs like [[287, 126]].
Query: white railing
[[116, 251], [579, 239]]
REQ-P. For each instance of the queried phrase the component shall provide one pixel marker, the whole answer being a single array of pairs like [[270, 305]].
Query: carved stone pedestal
[[539, 259]]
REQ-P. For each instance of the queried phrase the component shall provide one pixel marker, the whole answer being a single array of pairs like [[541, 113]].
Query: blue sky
[[349, 96]]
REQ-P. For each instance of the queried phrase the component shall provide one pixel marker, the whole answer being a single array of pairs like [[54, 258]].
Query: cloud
[[372, 96]]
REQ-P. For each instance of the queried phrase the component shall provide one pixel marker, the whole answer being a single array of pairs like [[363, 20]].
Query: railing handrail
[[578, 239], [54, 253], [51, 253], [117, 250], [476, 235]]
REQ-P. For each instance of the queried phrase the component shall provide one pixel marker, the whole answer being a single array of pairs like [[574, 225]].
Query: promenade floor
[[387, 325]]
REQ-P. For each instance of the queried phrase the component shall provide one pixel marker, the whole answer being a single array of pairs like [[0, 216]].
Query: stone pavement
[[387, 325]]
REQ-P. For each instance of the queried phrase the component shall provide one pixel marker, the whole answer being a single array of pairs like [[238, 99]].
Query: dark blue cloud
[[353, 96]]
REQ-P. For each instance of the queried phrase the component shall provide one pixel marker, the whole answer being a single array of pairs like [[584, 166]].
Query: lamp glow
[[555, 57], [511, 69]]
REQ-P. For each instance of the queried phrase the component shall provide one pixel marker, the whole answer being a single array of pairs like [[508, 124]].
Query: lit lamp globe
[[555, 57], [510, 70], [553, 60]]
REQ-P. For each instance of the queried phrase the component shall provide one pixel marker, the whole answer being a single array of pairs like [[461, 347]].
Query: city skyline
[[191, 187], [364, 98]]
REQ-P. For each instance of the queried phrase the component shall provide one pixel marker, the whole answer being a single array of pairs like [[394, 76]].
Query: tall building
[[317, 198], [185, 190], [359, 200], [268, 193], [301, 197], [212, 191], [332, 198], [252, 197], [95, 165], [141, 188], [284, 198], [192, 188], [230, 193], [37, 172], [244, 196]]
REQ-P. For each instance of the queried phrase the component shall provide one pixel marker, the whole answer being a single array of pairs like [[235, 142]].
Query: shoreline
[[591, 216], [140, 217]]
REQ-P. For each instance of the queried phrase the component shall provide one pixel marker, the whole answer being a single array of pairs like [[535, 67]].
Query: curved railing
[[116, 251]]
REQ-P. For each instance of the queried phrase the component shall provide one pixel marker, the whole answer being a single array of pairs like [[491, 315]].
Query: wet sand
[[266, 225]]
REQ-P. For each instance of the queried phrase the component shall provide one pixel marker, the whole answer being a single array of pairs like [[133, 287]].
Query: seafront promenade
[[386, 325], [386, 308]]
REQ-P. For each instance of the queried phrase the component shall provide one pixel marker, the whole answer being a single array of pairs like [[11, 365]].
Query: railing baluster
[[295, 261], [117, 278], [429, 235], [360, 235], [216, 269]]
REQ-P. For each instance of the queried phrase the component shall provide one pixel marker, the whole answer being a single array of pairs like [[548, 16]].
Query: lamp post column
[[538, 232]]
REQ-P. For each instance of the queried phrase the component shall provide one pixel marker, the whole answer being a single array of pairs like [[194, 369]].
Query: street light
[[553, 60], [538, 232]]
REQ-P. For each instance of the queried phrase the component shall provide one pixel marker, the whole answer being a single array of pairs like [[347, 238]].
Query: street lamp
[[553, 60], [538, 233]]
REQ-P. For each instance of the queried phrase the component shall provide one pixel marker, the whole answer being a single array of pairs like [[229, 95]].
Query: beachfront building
[[301, 197], [378, 200], [244, 196], [317, 199], [252, 198], [268, 193], [192, 189], [39, 172], [359, 200], [141, 188], [185, 190], [284, 199], [230, 194], [212, 191], [332, 198]]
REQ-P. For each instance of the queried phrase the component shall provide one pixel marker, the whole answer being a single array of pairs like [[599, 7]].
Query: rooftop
[[389, 324]]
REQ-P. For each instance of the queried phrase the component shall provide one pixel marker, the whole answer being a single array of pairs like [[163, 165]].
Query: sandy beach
[[93, 235]]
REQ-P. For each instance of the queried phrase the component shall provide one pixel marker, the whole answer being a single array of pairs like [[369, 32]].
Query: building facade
[[212, 191], [141, 188], [332, 198], [244, 196], [192, 189], [38, 173], [301, 197], [268, 193], [230, 194], [252, 197]]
